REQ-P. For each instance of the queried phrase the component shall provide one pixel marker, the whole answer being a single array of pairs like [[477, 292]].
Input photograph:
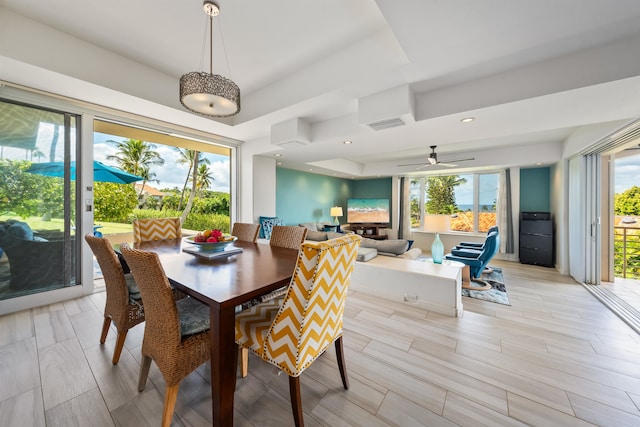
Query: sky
[[172, 174], [627, 173]]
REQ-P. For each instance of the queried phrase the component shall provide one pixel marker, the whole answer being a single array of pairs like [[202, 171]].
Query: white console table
[[437, 287]]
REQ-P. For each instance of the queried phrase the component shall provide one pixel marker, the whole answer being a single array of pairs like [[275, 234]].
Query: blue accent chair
[[477, 261], [476, 245]]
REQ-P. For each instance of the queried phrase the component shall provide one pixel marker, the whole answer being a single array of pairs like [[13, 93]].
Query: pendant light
[[207, 93]]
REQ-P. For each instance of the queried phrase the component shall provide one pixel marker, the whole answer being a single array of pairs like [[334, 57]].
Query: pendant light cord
[[211, 44]]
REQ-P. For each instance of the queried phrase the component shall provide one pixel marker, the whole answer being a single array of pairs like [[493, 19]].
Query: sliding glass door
[[38, 247]]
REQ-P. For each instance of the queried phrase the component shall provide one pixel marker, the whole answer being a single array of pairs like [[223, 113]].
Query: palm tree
[[194, 181], [188, 156], [37, 153], [440, 192], [135, 155], [204, 178], [147, 176]]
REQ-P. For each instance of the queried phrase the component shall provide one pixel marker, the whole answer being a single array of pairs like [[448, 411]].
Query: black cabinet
[[536, 239]]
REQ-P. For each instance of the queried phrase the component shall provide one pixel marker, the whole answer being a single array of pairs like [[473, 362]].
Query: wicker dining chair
[[176, 334], [246, 232], [124, 304], [150, 229], [288, 236], [308, 319]]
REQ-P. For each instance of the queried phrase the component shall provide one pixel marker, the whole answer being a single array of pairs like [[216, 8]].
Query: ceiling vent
[[388, 109], [386, 124], [291, 133]]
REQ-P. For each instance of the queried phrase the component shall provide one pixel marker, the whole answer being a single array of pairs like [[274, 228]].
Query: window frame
[[476, 176]]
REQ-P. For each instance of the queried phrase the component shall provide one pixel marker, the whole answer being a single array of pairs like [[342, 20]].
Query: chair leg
[[119, 345], [296, 401], [144, 372], [170, 396], [105, 329], [341, 365], [244, 364]]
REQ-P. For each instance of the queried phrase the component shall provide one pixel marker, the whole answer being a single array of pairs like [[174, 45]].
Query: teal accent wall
[[535, 190], [306, 197], [372, 188]]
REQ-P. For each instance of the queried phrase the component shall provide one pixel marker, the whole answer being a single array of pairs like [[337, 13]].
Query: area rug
[[498, 291]]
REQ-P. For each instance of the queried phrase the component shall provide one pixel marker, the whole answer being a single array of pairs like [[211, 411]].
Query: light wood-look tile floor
[[555, 357]]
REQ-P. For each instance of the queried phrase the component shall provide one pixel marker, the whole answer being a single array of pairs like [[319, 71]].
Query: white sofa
[[370, 248]]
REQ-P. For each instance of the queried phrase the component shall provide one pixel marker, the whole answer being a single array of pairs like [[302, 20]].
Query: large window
[[165, 162], [468, 199]]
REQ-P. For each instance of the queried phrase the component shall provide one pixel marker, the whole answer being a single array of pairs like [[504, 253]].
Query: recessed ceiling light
[[539, 164], [468, 119], [347, 142], [279, 163], [277, 154]]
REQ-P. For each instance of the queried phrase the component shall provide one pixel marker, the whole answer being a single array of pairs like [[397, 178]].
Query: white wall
[[264, 187], [559, 204]]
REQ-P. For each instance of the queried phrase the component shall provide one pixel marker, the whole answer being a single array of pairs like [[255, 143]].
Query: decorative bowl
[[211, 247]]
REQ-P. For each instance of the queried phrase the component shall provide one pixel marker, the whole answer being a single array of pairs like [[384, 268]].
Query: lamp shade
[[437, 223], [336, 211], [209, 94]]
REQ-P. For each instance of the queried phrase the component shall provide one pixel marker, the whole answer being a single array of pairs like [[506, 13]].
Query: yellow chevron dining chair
[[291, 332], [285, 236], [246, 232], [149, 229]]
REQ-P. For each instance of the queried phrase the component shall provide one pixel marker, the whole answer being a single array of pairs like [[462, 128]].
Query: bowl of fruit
[[211, 240]]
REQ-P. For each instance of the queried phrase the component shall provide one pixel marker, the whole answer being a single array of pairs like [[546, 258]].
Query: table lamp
[[336, 211]]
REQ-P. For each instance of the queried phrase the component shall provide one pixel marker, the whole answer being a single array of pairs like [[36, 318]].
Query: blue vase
[[437, 250]]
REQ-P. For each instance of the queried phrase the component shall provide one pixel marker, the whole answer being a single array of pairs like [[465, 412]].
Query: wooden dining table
[[223, 284]]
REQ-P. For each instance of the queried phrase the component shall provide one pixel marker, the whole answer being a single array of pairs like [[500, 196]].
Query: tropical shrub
[[113, 202]]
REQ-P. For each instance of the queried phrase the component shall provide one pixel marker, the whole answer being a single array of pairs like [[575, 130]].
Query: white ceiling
[[532, 73]]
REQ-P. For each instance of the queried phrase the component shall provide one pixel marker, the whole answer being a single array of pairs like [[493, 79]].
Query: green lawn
[[37, 223]]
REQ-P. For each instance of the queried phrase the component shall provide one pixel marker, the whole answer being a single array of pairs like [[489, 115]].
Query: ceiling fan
[[432, 160]]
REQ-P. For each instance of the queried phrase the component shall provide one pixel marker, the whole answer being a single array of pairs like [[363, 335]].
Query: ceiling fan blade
[[449, 165], [415, 164], [460, 160]]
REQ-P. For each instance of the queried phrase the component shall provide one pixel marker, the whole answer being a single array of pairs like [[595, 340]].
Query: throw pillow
[[267, 226], [311, 226], [396, 247], [260, 219]]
